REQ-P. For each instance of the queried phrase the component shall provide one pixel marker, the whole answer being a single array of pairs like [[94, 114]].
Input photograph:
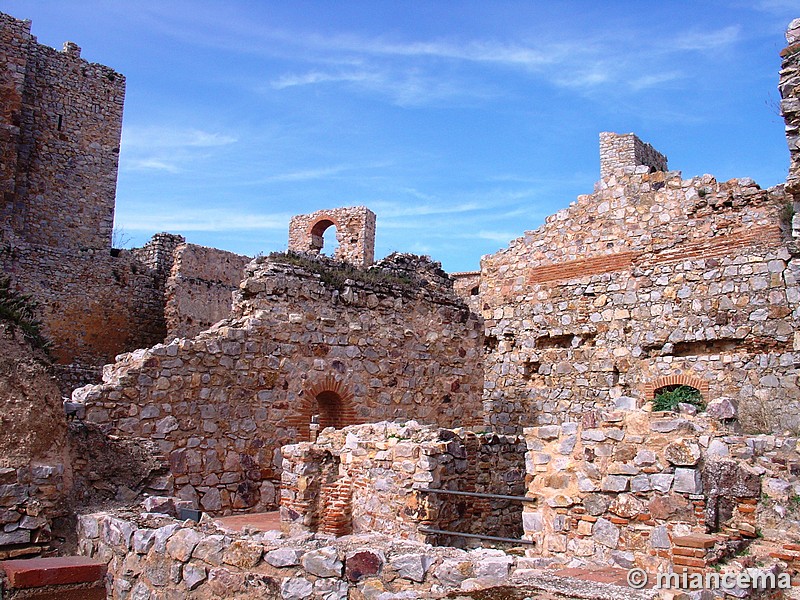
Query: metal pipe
[[479, 536], [478, 495]]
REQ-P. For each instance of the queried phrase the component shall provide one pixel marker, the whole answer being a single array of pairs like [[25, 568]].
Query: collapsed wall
[[306, 338], [199, 289], [650, 281], [406, 480], [35, 470]]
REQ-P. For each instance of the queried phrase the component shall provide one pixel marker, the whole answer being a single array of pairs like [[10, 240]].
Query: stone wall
[[625, 151], [64, 123], [199, 291], [653, 280], [633, 489], [368, 478], [301, 342], [468, 286], [35, 471], [789, 87], [153, 556], [355, 232]]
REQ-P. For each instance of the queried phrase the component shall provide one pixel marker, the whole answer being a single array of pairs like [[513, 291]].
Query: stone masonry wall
[[629, 488], [367, 478], [223, 403], [66, 130], [355, 232], [651, 281], [467, 285], [199, 291], [789, 87], [152, 556], [621, 151]]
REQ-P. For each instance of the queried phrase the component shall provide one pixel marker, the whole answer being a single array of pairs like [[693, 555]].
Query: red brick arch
[[651, 387], [330, 389], [317, 228]]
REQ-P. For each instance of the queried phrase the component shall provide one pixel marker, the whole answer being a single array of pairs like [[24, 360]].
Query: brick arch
[[678, 379], [317, 228], [330, 389]]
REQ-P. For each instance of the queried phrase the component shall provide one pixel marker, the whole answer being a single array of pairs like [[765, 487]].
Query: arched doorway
[[324, 237], [328, 405]]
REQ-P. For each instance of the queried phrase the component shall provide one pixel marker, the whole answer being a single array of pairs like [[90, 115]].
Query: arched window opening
[[324, 239], [328, 405], [668, 397]]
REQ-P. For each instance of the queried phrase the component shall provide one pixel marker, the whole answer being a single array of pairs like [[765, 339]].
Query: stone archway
[[652, 387], [317, 233], [355, 233], [331, 400]]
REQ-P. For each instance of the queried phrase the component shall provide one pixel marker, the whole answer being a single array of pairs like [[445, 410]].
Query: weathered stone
[[363, 563], [627, 506], [283, 557], [662, 482], [606, 533], [296, 588], [243, 554], [193, 575], [323, 562], [411, 566], [182, 543], [682, 453], [659, 537], [596, 504], [687, 481], [452, 572], [615, 483], [722, 408]]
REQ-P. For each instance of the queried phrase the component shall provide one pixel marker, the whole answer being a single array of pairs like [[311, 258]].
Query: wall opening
[[328, 405], [669, 397], [324, 237]]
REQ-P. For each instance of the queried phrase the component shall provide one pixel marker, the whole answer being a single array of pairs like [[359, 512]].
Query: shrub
[[334, 274], [669, 398], [19, 310]]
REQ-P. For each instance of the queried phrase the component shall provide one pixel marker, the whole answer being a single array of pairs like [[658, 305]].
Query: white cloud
[[150, 218], [169, 137]]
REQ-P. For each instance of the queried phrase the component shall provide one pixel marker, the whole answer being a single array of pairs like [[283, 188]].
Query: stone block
[[606, 533], [687, 481]]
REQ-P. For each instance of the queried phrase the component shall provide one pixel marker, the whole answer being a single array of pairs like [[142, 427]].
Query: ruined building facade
[[59, 147]]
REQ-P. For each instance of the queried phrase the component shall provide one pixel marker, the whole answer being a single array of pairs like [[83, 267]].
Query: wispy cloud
[[151, 218], [167, 149], [313, 77], [170, 137], [706, 40]]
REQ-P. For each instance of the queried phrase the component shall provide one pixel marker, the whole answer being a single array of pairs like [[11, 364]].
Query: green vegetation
[[669, 398], [334, 274], [19, 310], [787, 214]]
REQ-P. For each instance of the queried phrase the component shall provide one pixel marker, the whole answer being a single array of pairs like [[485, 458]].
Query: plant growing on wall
[[19, 309], [668, 398]]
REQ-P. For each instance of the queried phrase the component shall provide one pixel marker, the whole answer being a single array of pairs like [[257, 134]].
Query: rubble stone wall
[[620, 151], [623, 488], [65, 126], [789, 87], [156, 557], [369, 478], [468, 285], [355, 232], [199, 291], [650, 281], [222, 404]]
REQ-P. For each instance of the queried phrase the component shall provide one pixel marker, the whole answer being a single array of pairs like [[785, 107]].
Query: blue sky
[[461, 124]]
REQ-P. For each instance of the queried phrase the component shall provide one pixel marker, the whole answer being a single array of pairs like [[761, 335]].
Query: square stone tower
[[60, 133]]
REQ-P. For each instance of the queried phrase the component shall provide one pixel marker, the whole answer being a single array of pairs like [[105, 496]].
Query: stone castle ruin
[[419, 434]]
